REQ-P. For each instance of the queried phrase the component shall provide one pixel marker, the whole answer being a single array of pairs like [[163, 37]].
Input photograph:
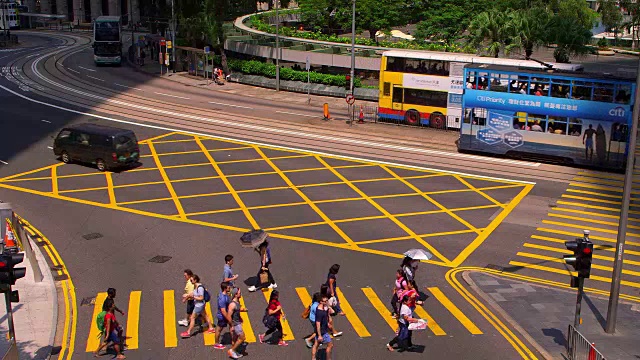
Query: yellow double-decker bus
[[425, 88]]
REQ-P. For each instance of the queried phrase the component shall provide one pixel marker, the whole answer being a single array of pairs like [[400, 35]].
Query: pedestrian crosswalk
[[591, 202], [366, 312]]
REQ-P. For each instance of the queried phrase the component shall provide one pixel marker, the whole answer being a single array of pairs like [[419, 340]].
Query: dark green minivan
[[106, 147]]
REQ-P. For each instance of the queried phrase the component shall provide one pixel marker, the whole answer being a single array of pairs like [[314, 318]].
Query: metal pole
[[576, 320], [173, 38], [12, 333], [277, 46], [353, 46], [308, 87], [614, 295]]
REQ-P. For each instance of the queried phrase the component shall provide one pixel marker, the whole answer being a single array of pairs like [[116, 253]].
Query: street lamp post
[[277, 46], [614, 294], [353, 45], [173, 38]]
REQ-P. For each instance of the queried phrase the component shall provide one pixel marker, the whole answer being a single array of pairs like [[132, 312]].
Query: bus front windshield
[[107, 31], [107, 49]]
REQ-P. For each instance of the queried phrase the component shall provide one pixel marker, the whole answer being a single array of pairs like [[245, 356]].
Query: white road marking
[[290, 113], [32, 55], [4, 162], [86, 69], [232, 105], [75, 71], [47, 121], [279, 146], [128, 87], [174, 96], [49, 147], [95, 78]]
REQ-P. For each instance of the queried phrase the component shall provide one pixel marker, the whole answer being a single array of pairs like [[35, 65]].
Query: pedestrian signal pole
[[581, 262], [614, 294]]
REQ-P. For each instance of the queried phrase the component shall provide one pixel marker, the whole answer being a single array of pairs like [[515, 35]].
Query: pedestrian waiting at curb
[[271, 320], [265, 279], [238, 337], [227, 273], [323, 314], [222, 316], [332, 283], [200, 296], [188, 289], [404, 319]]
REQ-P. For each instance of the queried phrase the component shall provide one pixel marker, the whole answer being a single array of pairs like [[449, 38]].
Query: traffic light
[[574, 259], [347, 82], [584, 270], [9, 274]]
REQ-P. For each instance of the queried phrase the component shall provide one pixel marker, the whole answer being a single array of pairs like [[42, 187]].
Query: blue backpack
[[207, 296]]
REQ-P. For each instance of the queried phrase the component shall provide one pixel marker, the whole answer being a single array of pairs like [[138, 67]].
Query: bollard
[[361, 116], [592, 351], [327, 116]]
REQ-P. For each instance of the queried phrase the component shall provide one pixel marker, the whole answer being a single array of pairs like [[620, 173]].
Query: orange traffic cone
[[361, 116], [9, 239]]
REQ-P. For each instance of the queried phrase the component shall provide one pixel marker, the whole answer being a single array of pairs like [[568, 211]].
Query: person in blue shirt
[[309, 340], [222, 317], [227, 274]]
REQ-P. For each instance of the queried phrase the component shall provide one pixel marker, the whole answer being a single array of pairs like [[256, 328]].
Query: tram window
[[557, 125], [560, 88], [623, 94], [619, 132], [498, 82], [581, 90], [471, 80], [575, 127], [397, 95], [519, 123], [386, 89], [603, 92]]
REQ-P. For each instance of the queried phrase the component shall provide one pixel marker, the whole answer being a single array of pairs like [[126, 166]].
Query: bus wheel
[[438, 121], [412, 117]]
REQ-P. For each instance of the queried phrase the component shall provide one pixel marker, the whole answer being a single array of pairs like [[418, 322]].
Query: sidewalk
[[35, 316], [545, 314]]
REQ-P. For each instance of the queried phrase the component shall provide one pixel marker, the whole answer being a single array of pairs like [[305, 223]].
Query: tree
[[610, 15], [445, 24], [530, 28], [577, 10], [491, 31], [379, 15], [570, 37], [632, 8]]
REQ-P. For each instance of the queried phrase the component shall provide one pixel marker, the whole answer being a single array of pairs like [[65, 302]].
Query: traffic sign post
[[308, 67], [350, 99], [207, 50]]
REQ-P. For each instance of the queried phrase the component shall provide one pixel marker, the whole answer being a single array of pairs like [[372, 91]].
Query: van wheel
[[65, 157], [101, 165]]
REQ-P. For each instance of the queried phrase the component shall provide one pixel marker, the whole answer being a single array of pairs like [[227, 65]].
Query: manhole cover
[[494, 267], [88, 301], [160, 259], [92, 236], [60, 277]]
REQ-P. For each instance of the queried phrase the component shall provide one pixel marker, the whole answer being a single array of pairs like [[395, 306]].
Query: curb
[[498, 309], [49, 276]]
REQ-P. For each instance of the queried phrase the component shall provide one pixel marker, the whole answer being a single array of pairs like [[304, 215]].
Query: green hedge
[[258, 23], [254, 67]]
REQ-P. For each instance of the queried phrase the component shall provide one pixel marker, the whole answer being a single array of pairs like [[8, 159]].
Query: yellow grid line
[[456, 232], [428, 198], [383, 211], [226, 182], [112, 194], [166, 141], [473, 188], [324, 217], [163, 173], [146, 141], [54, 180]]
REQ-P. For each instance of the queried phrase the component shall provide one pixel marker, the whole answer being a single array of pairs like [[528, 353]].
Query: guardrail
[[24, 234], [579, 348]]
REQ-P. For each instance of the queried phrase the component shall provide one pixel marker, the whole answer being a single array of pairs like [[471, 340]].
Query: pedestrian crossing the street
[[591, 202], [367, 314]]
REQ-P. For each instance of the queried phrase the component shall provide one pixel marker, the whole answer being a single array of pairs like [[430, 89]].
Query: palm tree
[[530, 27], [491, 30]]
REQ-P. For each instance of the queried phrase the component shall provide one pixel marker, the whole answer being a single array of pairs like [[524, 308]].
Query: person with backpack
[[222, 316], [200, 296], [111, 294], [111, 330], [264, 275], [271, 319], [238, 336]]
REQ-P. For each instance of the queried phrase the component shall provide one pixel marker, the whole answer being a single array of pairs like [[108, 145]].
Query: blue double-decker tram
[[575, 118]]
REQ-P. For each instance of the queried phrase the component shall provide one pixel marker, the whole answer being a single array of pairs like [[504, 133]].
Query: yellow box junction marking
[[462, 318], [94, 334], [246, 324], [380, 307], [358, 326], [23, 182]]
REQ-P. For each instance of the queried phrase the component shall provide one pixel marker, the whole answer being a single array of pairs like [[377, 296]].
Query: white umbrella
[[418, 254]]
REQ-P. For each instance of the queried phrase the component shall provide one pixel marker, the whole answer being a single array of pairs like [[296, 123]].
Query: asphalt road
[[196, 192]]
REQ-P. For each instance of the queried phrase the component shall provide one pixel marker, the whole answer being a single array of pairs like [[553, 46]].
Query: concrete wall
[[96, 8], [344, 61], [114, 7], [61, 7], [45, 6]]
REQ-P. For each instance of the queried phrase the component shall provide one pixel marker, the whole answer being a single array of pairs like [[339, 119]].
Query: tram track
[[56, 83]]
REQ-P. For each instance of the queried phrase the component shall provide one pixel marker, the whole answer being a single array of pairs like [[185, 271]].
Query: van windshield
[[125, 142]]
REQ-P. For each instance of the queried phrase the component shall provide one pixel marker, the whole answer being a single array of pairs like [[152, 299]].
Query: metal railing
[[579, 348], [25, 236], [370, 114]]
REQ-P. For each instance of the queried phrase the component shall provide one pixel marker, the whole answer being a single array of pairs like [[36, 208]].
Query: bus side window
[[397, 95], [557, 125], [386, 89], [575, 127]]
